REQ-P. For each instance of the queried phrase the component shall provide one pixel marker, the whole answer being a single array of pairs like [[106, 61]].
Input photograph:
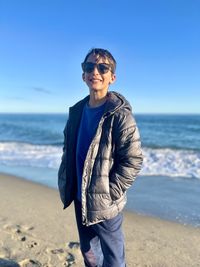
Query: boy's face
[[95, 80]]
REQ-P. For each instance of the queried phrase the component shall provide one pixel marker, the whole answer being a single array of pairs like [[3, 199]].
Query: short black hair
[[103, 53]]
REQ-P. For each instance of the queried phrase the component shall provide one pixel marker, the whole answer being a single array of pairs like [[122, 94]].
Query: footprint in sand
[[70, 260], [32, 244], [30, 263], [5, 253], [72, 245], [17, 229], [57, 251], [63, 255], [21, 233]]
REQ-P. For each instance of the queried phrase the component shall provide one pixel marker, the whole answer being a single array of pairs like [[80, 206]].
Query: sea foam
[[169, 162]]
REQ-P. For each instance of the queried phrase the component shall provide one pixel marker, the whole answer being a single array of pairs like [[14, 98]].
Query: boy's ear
[[113, 78], [83, 76]]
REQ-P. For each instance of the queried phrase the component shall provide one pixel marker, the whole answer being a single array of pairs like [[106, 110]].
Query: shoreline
[[163, 197], [35, 230]]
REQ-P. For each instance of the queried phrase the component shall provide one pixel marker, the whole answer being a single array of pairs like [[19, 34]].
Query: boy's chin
[[97, 90], [94, 90]]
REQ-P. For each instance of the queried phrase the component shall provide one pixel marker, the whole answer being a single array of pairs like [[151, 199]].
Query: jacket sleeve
[[62, 169], [128, 156]]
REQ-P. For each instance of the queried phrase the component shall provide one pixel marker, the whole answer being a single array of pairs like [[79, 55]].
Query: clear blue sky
[[156, 45]]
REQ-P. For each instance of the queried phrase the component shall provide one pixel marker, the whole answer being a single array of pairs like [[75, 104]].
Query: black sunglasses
[[101, 67]]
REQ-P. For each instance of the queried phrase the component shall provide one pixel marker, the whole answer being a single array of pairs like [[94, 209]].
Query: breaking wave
[[165, 161]]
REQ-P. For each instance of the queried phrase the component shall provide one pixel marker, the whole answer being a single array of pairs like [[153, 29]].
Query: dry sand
[[35, 231]]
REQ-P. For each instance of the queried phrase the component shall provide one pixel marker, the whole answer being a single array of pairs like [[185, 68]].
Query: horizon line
[[63, 113]]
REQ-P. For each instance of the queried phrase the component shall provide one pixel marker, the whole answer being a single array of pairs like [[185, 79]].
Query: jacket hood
[[115, 102]]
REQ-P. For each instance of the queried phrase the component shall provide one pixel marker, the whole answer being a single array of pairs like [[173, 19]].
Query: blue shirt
[[88, 126]]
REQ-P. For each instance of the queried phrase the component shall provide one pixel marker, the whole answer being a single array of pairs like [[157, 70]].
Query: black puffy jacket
[[113, 160]]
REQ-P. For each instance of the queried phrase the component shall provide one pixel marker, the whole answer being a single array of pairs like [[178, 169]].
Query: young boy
[[101, 158]]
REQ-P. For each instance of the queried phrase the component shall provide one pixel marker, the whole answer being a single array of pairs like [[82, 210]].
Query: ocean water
[[168, 185]]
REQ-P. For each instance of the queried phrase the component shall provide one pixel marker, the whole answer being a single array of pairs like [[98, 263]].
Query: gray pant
[[102, 244]]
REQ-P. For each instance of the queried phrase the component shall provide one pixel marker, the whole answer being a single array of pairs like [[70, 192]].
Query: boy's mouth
[[95, 80]]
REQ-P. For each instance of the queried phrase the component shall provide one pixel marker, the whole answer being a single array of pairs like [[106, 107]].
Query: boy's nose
[[95, 70]]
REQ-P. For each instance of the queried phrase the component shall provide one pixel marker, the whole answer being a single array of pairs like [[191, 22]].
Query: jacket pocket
[[99, 201], [62, 180]]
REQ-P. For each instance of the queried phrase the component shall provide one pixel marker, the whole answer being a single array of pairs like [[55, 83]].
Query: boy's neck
[[97, 99]]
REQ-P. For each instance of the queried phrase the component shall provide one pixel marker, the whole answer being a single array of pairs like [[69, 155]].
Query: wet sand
[[36, 231]]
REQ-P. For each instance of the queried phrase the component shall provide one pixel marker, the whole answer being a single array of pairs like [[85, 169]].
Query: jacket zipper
[[85, 168]]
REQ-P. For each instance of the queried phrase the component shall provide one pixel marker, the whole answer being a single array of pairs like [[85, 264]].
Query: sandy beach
[[35, 231]]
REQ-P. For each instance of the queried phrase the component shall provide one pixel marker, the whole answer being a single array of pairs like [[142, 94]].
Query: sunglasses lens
[[89, 67], [103, 68]]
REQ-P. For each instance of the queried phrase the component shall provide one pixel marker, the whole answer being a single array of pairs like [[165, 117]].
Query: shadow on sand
[[8, 263]]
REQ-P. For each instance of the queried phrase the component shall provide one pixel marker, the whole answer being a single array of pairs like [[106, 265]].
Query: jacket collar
[[114, 102]]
